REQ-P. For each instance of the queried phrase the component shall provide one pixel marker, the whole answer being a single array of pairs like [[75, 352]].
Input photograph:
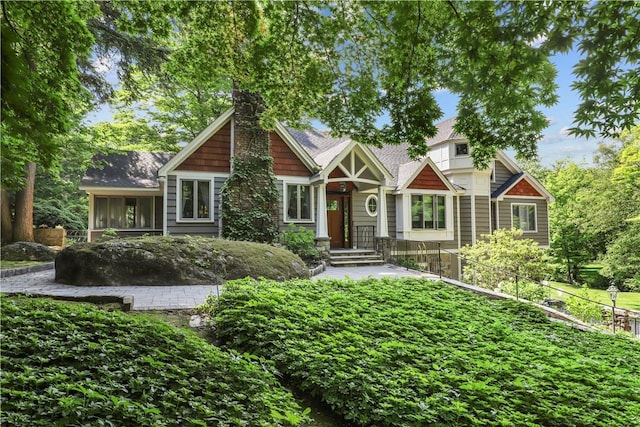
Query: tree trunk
[[250, 194], [6, 220], [23, 222]]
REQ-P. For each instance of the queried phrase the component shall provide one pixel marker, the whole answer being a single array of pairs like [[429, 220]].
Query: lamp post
[[613, 294]]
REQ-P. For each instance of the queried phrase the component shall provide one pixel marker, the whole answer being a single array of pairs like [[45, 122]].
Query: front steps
[[354, 257]]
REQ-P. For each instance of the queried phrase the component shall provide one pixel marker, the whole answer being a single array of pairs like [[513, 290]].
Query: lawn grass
[[628, 300]]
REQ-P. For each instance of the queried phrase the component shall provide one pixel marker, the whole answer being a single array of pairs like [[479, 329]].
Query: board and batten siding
[[501, 174], [207, 229], [541, 235]]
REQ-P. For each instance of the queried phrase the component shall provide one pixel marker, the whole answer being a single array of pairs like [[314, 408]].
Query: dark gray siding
[[502, 174], [195, 229], [483, 218], [359, 212], [391, 214], [465, 220], [542, 218], [453, 244]]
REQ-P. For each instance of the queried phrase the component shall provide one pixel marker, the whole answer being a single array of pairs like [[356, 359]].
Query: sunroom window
[[428, 212], [523, 216], [195, 200], [298, 202], [122, 212]]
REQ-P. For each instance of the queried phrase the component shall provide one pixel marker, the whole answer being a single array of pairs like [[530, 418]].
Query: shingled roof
[[131, 169]]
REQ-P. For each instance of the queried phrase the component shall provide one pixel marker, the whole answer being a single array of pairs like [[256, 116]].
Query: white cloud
[[102, 64]]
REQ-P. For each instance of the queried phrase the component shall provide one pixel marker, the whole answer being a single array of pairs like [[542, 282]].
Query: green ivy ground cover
[[410, 352], [75, 365]]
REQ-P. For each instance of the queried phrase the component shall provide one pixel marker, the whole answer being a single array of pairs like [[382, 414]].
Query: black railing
[[365, 236], [425, 256]]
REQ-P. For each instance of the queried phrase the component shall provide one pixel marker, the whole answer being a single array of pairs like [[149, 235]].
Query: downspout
[[165, 204], [459, 236]]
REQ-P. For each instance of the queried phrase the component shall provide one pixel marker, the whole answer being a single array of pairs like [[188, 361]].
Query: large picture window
[[298, 202], [523, 216], [195, 200], [428, 212], [122, 212]]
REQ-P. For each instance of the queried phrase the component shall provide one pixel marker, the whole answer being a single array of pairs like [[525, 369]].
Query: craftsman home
[[351, 195]]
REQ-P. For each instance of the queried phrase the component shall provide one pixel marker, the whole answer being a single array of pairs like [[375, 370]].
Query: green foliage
[[301, 242], [583, 307], [76, 365], [622, 260], [530, 291], [108, 234], [501, 256], [417, 352]]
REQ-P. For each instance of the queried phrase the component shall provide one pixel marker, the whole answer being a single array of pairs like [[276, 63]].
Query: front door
[[338, 219]]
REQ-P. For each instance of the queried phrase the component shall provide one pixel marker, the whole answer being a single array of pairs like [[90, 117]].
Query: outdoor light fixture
[[343, 186], [613, 294]]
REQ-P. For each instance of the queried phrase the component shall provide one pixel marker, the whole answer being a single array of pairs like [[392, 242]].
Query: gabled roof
[[191, 147], [317, 144], [332, 158], [509, 184], [408, 172], [131, 169]]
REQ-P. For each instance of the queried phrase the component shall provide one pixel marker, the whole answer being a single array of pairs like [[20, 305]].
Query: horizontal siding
[[391, 214], [502, 175], [542, 218], [465, 220], [359, 212], [453, 244], [212, 156], [194, 229], [483, 218]]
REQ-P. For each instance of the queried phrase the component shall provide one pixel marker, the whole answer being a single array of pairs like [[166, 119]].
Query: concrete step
[[353, 263]]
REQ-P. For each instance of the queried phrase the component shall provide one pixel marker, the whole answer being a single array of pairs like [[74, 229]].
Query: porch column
[[382, 225], [321, 212]]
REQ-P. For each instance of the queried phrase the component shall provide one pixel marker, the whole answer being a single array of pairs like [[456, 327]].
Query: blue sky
[[556, 144]]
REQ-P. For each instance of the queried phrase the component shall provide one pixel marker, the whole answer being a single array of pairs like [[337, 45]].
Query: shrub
[[500, 256], [528, 290], [301, 242], [416, 352], [583, 306], [68, 364]]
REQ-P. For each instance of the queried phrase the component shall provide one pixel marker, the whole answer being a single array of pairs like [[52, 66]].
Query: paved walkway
[[167, 297]]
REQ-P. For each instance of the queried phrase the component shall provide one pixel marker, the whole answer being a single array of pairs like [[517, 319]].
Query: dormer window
[[462, 149]]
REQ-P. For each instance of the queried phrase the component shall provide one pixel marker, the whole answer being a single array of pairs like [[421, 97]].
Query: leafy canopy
[[351, 63]]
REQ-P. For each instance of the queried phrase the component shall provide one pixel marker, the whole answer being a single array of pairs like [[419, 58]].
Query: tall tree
[[41, 91]]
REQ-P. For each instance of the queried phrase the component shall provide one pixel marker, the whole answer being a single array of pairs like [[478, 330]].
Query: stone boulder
[[27, 251], [173, 261]]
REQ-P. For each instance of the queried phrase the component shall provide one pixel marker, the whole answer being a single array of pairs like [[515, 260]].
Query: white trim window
[[122, 212], [428, 212], [462, 149], [371, 205], [298, 203], [523, 216], [195, 200]]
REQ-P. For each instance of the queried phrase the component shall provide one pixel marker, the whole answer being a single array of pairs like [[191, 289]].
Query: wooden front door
[[338, 219]]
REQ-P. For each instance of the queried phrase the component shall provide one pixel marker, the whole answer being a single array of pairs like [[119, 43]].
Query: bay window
[[428, 212]]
